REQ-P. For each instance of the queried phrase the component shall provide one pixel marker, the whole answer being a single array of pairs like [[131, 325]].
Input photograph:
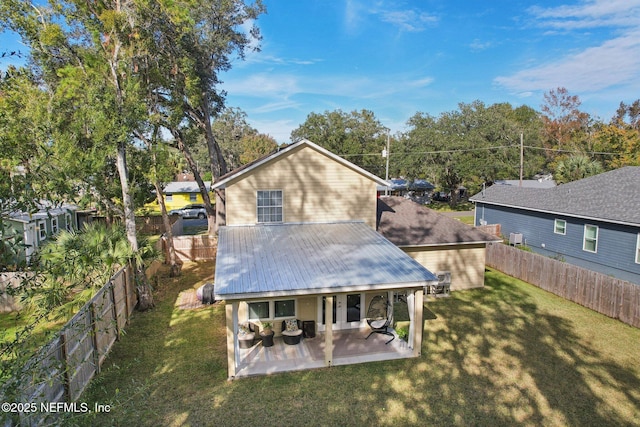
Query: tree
[[565, 126], [621, 136], [357, 136], [576, 167]]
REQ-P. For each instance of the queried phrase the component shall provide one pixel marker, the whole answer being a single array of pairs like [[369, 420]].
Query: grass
[[507, 354]]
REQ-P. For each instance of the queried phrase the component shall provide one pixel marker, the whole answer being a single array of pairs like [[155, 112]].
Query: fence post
[[93, 319], [114, 306], [65, 366]]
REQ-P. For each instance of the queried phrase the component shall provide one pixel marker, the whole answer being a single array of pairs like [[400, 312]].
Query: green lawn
[[508, 354]]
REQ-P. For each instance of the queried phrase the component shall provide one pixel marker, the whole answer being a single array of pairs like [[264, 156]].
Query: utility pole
[[386, 153], [521, 156]]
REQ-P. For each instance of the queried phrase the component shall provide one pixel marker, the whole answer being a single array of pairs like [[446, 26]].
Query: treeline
[[479, 144]]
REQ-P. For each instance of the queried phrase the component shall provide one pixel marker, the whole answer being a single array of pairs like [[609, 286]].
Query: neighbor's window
[[590, 238], [269, 205], [67, 222], [42, 230], [560, 227], [169, 197], [638, 250], [286, 308], [54, 225], [193, 197], [259, 310]]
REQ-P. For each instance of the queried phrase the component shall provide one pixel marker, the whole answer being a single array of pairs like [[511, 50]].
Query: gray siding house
[[593, 223]]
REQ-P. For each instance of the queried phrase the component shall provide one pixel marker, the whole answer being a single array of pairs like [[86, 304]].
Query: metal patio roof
[[260, 261]]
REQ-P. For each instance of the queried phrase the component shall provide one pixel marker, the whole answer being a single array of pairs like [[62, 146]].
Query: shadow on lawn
[[506, 362], [490, 357]]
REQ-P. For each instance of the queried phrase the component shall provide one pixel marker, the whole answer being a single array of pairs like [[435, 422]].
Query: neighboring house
[[593, 223], [546, 182], [438, 242], [300, 242], [178, 194], [33, 229]]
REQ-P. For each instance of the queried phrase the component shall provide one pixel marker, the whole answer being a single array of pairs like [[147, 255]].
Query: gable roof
[[407, 223], [281, 152], [612, 196], [261, 261]]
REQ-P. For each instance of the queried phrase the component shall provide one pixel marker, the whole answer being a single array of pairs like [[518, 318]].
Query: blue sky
[[397, 58]]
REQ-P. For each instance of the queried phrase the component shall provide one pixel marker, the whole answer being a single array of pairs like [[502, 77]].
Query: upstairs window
[[269, 206], [560, 227], [590, 243], [42, 230]]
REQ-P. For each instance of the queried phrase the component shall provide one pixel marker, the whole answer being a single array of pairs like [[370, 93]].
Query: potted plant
[[267, 334]]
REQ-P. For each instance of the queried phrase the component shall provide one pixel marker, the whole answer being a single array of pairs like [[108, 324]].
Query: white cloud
[[589, 14], [614, 62], [408, 20]]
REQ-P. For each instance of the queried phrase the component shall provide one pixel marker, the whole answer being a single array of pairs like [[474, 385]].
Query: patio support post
[[418, 321], [231, 310], [328, 331]]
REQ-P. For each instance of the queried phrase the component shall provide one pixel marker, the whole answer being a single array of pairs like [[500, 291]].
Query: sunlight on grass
[[506, 354]]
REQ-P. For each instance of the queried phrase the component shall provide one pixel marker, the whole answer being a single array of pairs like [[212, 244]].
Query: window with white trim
[[560, 226], [193, 197], [54, 225], [638, 249], [67, 221], [42, 230], [590, 243], [168, 198], [276, 309], [269, 206]]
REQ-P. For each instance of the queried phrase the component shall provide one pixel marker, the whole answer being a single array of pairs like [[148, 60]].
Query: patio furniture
[[267, 338], [291, 331], [379, 317], [246, 335], [309, 329]]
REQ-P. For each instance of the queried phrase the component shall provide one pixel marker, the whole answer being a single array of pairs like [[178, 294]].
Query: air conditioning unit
[[515, 239]]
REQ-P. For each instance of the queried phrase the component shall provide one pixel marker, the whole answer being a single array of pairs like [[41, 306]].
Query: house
[[33, 229], [593, 222], [178, 194], [300, 242], [440, 243]]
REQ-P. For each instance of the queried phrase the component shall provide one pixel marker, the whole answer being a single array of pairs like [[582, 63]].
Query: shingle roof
[[612, 196], [260, 261], [407, 223]]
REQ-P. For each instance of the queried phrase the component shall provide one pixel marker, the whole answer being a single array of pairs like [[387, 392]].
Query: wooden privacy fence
[[194, 248], [61, 370], [612, 297]]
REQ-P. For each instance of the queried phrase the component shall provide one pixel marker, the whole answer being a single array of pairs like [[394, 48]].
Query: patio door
[[346, 313]]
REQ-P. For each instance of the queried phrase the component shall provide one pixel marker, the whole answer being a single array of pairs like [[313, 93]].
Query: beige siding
[[315, 188], [465, 262]]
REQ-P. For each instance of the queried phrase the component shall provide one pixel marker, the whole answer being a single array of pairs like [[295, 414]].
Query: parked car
[[190, 211]]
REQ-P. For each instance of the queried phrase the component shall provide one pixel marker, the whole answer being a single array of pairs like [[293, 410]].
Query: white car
[[190, 211]]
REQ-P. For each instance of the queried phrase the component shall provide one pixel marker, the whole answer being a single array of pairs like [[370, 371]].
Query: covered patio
[[349, 347], [309, 271]]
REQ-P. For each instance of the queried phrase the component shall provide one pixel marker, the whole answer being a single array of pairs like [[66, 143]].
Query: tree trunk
[[174, 266]]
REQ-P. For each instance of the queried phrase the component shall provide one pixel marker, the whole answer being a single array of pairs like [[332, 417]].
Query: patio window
[[638, 249], [54, 225], [269, 206], [42, 230], [259, 310], [193, 197], [272, 309], [590, 243], [560, 227], [286, 308]]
